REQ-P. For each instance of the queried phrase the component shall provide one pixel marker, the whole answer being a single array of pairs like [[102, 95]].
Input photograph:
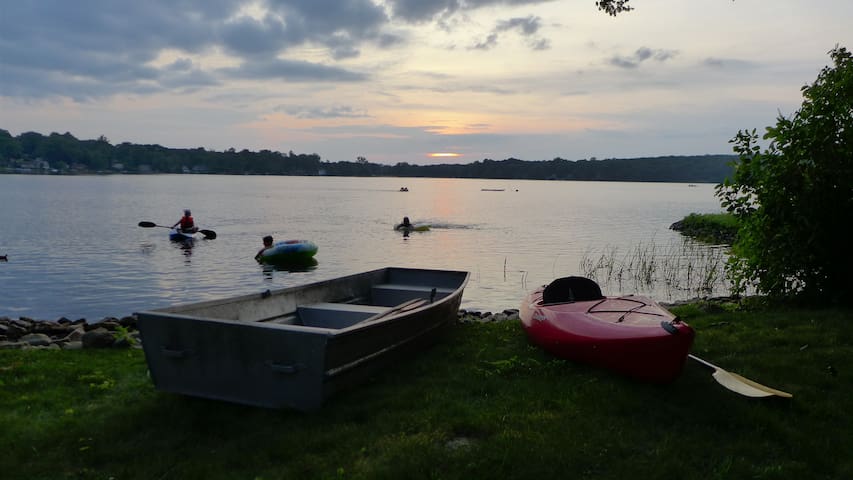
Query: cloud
[[310, 111], [641, 55], [489, 43], [527, 27], [727, 63], [418, 11], [99, 48], [291, 70]]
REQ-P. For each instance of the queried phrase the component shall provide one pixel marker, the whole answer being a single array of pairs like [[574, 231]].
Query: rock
[[36, 339], [128, 321], [51, 329], [73, 345], [11, 345], [76, 335], [14, 332], [98, 338]]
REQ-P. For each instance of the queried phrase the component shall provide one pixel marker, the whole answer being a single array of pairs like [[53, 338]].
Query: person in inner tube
[[186, 222], [267, 245]]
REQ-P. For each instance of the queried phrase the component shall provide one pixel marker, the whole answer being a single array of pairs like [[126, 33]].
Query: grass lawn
[[481, 404]]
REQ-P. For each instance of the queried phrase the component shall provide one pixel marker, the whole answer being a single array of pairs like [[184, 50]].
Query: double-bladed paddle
[[208, 234], [738, 384]]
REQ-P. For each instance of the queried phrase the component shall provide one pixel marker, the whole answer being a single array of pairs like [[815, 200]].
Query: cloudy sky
[[401, 80]]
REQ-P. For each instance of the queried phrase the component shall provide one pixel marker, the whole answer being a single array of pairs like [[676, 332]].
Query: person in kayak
[[267, 245], [186, 222]]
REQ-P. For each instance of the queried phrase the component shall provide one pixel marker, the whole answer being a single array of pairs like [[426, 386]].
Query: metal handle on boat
[[168, 352], [285, 368]]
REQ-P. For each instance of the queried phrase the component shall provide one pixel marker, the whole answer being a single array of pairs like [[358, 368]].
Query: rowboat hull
[[295, 347], [631, 335]]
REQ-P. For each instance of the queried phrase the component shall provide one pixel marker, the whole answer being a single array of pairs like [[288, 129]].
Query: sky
[[415, 81]]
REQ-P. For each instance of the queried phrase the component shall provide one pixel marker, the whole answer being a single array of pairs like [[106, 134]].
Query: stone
[[98, 338], [36, 339]]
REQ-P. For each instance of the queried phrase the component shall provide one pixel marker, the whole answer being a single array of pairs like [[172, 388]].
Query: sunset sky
[[417, 81]]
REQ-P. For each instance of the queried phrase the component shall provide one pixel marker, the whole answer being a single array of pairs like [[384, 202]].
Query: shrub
[[795, 198]]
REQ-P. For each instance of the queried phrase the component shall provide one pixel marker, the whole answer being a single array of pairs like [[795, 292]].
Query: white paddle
[[741, 385]]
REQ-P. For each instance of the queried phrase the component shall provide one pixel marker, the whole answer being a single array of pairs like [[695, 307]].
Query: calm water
[[75, 249]]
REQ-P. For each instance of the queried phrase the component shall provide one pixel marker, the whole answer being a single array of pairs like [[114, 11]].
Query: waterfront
[[75, 249]]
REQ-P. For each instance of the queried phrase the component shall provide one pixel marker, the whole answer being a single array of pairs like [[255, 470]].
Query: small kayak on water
[[288, 251], [412, 227], [178, 235]]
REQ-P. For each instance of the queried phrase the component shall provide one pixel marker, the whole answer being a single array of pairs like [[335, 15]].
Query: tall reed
[[675, 269]]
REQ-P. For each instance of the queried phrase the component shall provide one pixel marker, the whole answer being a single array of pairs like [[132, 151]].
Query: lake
[[75, 249]]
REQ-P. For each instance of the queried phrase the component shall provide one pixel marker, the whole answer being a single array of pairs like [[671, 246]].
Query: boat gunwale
[[181, 311]]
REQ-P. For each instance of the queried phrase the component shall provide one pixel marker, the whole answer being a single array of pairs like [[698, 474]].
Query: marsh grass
[[674, 269], [481, 404]]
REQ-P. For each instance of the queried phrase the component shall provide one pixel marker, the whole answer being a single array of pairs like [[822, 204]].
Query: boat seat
[[571, 289], [391, 294], [336, 315]]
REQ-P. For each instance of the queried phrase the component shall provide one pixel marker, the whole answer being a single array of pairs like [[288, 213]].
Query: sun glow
[[444, 154]]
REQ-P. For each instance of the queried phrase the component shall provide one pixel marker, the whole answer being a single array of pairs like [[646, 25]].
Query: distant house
[[39, 165], [200, 169], [143, 168], [118, 167]]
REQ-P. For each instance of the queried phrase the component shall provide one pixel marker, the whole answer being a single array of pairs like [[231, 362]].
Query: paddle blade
[[208, 234], [745, 386], [147, 224], [738, 384]]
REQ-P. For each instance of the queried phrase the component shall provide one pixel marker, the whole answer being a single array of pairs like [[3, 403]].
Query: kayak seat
[[571, 289]]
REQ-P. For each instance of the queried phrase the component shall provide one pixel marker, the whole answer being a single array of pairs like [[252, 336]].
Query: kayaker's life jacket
[[187, 222]]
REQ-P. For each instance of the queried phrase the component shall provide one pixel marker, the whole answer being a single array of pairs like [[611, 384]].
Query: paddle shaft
[[208, 234]]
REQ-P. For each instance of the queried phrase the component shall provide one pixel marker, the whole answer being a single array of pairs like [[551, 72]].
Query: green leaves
[[614, 7], [795, 197]]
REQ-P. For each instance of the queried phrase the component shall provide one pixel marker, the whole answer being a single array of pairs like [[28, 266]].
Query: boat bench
[[336, 315], [391, 294]]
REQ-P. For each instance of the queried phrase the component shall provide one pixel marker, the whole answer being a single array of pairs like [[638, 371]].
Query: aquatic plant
[[673, 268]]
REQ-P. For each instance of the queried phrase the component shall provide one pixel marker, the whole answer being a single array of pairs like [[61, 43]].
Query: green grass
[[710, 227], [481, 404]]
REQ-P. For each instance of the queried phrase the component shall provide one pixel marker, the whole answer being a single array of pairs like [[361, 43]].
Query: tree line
[[32, 152]]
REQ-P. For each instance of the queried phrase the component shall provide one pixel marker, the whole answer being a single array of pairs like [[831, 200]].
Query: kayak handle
[[669, 327]]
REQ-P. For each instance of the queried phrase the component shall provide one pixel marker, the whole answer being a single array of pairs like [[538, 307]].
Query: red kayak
[[632, 335]]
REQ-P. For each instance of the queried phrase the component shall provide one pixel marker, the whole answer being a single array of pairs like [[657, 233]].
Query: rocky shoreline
[[23, 332], [112, 332]]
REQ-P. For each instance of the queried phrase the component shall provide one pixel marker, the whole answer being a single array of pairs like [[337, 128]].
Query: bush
[[795, 198]]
